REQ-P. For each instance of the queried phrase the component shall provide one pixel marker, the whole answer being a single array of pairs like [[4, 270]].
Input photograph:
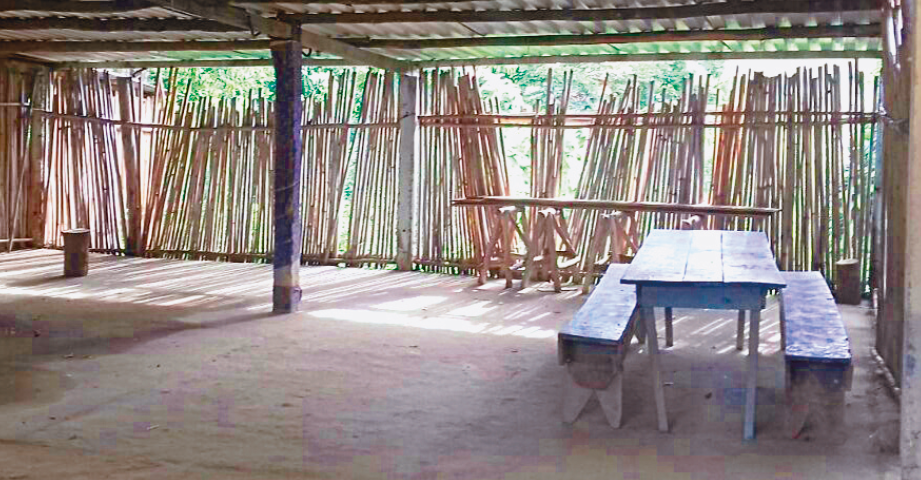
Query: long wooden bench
[[817, 353], [593, 346]]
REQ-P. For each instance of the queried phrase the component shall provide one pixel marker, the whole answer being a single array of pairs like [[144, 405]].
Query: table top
[[704, 258]]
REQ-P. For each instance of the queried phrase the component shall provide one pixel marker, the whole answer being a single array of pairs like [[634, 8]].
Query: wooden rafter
[[26, 46], [230, 15], [649, 57], [116, 25], [642, 57], [73, 6], [850, 31], [592, 15], [270, 3], [236, 62]]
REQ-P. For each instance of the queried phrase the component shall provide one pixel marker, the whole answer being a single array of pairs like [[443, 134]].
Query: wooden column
[[36, 192], [286, 56], [407, 173], [135, 246], [910, 445]]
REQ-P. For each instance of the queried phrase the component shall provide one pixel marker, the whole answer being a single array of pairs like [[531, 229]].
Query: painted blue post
[[286, 56]]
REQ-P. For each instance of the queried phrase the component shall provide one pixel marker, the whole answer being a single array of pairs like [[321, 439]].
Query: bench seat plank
[[605, 317], [813, 330]]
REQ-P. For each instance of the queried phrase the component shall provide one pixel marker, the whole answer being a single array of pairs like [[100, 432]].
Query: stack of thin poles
[[16, 172], [83, 164], [372, 223], [463, 158], [193, 178], [801, 143]]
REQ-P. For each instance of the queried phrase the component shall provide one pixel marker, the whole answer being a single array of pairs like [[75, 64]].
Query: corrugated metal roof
[[436, 30]]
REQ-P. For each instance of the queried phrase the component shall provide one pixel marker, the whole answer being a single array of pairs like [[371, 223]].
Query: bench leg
[[740, 331], [647, 316], [669, 334], [808, 401], [575, 397], [641, 331], [611, 400]]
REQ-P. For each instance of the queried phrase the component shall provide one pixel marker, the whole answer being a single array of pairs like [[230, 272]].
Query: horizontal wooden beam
[[116, 25], [26, 46], [230, 15], [73, 6], [872, 30], [645, 57], [650, 57], [269, 3], [228, 63], [714, 9], [615, 205]]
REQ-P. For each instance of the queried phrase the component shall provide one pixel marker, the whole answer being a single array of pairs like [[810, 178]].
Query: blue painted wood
[[606, 316], [286, 214], [704, 258], [747, 258], [717, 297], [813, 330], [662, 258]]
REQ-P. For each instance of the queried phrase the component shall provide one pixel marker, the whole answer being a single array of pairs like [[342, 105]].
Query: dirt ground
[[160, 369]]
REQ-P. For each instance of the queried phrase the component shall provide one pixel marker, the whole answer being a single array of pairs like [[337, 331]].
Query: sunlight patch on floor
[[431, 323]]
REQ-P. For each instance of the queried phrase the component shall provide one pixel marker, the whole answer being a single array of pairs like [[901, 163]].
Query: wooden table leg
[[740, 331], [669, 332], [749, 426], [652, 344]]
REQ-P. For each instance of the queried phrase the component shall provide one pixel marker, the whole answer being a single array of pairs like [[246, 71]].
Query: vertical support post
[[910, 443], [286, 261], [135, 246], [407, 173], [37, 195]]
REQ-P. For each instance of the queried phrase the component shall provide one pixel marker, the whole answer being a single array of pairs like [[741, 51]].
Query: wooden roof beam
[[650, 57], [569, 59], [714, 9], [117, 25], [270, 3], [27, 46], [236, 17], [73, 6], [231, 62], [848, 31]]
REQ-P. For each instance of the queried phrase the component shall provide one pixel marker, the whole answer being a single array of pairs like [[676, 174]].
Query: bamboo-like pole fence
[[192, 178]]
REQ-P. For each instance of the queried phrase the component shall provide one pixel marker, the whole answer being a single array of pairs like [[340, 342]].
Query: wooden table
[[704, 269]]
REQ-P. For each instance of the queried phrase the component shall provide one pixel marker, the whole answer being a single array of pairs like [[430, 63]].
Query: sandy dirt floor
[[156, 369]]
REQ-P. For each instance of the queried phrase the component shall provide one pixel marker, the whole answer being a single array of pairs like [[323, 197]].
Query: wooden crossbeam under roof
[[227, 14], [713, 9], [530, 60]]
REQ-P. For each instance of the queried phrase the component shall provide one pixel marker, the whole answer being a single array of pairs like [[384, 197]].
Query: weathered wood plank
[[747, 259], [662, 258], [705, 264], [606, 315], [813, 330]]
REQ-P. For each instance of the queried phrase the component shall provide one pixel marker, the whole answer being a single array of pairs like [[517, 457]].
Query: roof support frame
[[550, 59], [712, 9], [227, 14]]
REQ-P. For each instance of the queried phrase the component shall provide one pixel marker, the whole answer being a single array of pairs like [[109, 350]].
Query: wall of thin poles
[[801, 143], [146, 168]]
